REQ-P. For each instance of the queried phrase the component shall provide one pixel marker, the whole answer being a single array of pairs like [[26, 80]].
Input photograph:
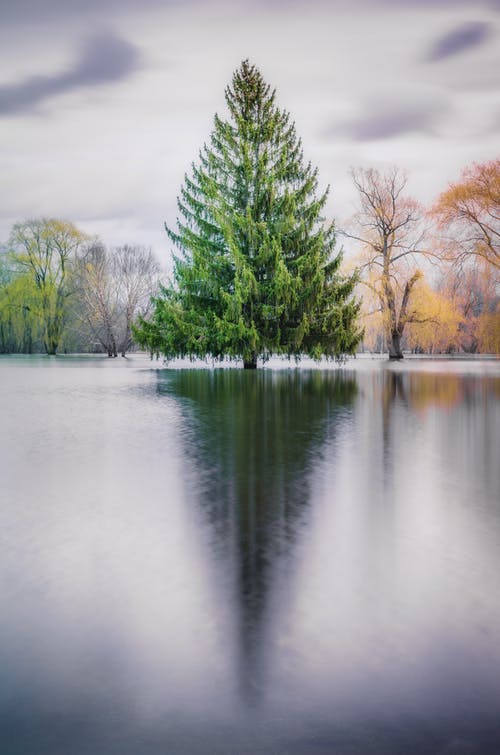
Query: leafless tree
[[389, 228], [135, 271], [115, 287]]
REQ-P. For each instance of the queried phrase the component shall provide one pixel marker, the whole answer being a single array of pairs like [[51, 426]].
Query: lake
[[225, 561]]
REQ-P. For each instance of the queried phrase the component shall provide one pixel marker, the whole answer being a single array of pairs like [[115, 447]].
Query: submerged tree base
[[395, 351]]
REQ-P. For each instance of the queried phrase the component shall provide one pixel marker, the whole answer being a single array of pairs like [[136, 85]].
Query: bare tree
[[135, 272], [98, 295], [390, 230], [115, 287]]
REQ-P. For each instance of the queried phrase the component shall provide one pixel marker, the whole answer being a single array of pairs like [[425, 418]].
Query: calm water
[[218, 561]]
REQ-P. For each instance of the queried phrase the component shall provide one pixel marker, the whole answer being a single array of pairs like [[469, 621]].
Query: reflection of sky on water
[[228, 561], [102, 561], [403, 549]]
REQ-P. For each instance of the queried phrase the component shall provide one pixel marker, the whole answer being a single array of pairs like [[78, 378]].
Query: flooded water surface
[[224, 561]]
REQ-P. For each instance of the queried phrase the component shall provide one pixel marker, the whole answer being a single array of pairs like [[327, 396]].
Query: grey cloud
[[58, 12], [380, 119], [30, 12], [464, 38], [104, 59]]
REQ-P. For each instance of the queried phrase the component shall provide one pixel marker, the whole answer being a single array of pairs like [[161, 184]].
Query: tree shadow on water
[[255, 439]]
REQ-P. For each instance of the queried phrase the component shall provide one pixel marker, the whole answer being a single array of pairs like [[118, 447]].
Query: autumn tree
[[44, 249], [468, 215], [488, 331], [437, 328], [389, 229], [256, 271], [472, 289]]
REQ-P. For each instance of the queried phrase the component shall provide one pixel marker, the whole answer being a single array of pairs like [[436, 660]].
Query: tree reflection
[[421, 390], [405, 398], [255, 438]]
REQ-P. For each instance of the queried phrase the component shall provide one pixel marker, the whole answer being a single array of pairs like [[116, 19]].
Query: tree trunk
[[111, 345], [397, 329], [250, 362], [127, 340], [51, 343], [395, 346]]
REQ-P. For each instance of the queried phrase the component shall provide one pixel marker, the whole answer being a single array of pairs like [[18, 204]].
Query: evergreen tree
[[257, 272]]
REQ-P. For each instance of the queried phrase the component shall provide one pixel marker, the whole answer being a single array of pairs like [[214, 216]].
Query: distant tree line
[[61, 291]]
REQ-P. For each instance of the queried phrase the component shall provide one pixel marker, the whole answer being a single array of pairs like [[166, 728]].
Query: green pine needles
[[257, 272]]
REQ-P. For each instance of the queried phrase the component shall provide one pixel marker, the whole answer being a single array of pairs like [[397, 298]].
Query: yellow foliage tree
[[473, 291], [435, 324], [488, 331]]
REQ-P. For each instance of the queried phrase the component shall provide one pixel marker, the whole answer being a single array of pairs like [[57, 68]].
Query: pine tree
[[257, 272]]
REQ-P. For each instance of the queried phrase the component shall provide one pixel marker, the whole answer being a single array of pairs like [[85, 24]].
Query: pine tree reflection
[[255, 437]]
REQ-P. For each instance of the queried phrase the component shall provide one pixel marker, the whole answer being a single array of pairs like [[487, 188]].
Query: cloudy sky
[[105, 103]]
